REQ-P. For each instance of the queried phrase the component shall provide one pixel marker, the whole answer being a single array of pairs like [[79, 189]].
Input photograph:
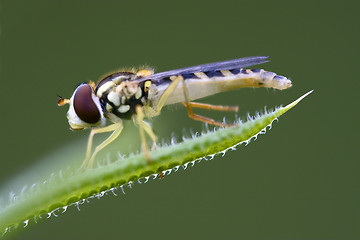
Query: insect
[[140, 94]]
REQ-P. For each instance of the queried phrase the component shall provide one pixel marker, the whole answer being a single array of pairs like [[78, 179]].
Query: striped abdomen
[[202, 84]]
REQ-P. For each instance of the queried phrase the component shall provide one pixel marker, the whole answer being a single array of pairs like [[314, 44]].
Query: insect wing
[[224, 65]]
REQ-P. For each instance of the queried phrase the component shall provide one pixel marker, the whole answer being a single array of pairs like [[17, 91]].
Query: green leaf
[[73, 187]]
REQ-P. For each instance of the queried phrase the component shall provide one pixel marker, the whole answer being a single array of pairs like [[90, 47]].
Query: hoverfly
[[140, 94]]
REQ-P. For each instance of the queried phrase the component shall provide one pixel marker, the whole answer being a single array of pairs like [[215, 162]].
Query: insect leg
[[151, 134], [189, 105], [144, 127], [169, 90], [212, 107], [116, 128]]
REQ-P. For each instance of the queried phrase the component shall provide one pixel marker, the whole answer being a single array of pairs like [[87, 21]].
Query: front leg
[[116, 128]]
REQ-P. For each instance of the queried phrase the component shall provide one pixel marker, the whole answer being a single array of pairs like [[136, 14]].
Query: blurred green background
[[299, 181]]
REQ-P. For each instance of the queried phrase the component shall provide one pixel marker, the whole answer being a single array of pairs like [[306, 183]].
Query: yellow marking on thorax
[[147, 85], [124, 108], [120, 87], [119, 79], [123, 99], [114, 97], [106, 86], [144, 73], [138, 93], [130, 89]]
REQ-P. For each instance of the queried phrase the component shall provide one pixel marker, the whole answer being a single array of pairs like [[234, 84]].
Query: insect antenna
[[62, 101]]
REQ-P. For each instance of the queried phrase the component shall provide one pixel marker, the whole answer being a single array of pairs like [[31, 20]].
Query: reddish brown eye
[[84, 104]]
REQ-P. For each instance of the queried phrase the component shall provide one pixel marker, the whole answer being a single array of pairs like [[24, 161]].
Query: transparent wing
[[224, 65]]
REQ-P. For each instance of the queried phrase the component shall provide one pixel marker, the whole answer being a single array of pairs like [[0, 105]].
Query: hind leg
[[189, 106]]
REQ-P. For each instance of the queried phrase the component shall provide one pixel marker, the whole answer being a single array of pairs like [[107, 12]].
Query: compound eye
[[84, 104]]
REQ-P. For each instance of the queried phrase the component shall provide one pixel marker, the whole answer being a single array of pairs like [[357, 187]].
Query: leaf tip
[[290, 105]]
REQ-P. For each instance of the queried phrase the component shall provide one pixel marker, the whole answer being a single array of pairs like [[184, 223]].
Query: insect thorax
[[120, 94]]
